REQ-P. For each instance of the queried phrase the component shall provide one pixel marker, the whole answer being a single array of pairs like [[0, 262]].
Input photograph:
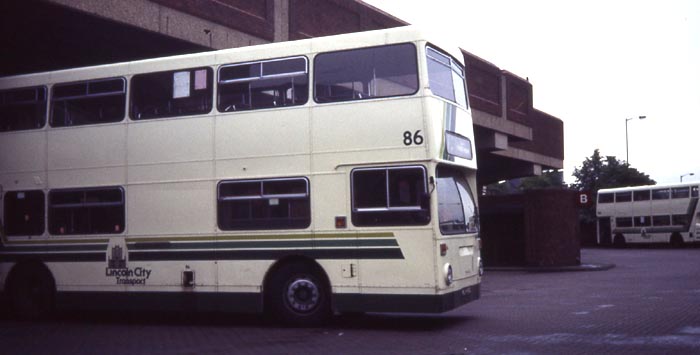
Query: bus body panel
[[170, 171]]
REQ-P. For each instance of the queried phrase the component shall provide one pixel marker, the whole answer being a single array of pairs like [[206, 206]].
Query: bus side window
[[22, 109], [88, 102], [264, 204], [389, 196], [267, 84], [24, 213], [643, 195], [172, 93], [366, 73], [660, 194], [606, 197], [680, 192], [86, 211], [694, 191]]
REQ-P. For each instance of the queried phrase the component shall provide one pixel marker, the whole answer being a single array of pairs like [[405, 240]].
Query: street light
[[627, 144], [688, 174]]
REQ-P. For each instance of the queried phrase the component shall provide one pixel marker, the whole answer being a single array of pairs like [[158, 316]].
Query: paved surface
[[648, 304]]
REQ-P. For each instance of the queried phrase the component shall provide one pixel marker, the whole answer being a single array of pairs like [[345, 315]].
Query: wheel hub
[[302, 295]]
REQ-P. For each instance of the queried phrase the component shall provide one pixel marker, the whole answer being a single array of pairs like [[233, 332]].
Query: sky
[[593, 64]]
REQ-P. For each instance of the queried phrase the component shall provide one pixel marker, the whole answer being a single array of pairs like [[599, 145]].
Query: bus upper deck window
[[88, 102], [173, 93], [265, 84], [22, 109], [680, 192], [446, 77], [366, 73]]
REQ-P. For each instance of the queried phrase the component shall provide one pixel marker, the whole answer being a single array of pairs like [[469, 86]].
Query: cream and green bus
[[302, 179]]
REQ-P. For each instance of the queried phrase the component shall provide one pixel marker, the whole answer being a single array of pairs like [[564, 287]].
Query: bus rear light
[[443, 249]]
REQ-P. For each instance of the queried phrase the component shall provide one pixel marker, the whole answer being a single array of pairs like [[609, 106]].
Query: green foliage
[[548, 180], [603, 173], [597, 173]]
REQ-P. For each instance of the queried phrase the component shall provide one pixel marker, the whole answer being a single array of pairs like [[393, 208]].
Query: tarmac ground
[[649, 303]]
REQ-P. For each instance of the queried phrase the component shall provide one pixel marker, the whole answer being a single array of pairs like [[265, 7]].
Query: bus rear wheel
[[619, 241], [676, 240], [31, 292], [298, 295]]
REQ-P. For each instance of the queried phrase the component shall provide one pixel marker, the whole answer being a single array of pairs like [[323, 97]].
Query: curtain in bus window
[[22, 109], [366, 73], [24, 213], [171, 93], [89, 102]]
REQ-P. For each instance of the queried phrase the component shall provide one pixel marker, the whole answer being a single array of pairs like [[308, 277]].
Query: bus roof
[[648, 187], [239, 54]]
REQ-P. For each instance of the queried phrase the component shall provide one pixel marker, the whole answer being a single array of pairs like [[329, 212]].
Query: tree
[[597, 173], [602, 173]]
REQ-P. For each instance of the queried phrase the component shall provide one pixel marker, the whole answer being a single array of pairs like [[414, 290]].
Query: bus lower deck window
[[86, 211], [24, 213], [281, 203], [389, 196]]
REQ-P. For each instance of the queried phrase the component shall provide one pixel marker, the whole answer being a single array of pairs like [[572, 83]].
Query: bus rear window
[[22, 109], [366, 73]]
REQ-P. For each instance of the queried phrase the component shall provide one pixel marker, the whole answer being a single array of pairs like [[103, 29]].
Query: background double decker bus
[[668, 213], [301, 178]]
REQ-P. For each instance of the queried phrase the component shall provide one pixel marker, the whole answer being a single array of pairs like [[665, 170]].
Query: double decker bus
[[302, 178], [668, 213]]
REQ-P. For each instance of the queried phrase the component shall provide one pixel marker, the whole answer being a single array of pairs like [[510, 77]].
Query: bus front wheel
[[619, 241], [298, 295], [676, 240]]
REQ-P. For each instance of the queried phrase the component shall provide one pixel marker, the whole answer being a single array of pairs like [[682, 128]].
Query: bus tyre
[[676, 240], [619, 241], [31, 293], [298, 295]]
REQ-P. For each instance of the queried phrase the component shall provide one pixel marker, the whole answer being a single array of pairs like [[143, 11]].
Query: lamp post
[[627, 144], [684, 175]]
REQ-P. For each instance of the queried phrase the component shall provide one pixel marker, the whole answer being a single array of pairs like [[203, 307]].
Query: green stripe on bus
[[271, 254], [262, 237], [40, 248], [248, 244]]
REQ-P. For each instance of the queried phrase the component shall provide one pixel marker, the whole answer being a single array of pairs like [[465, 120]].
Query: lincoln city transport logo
[[116, 267]]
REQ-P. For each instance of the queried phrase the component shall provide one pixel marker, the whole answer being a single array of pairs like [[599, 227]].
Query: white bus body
[[329, 174], [649, 214]]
